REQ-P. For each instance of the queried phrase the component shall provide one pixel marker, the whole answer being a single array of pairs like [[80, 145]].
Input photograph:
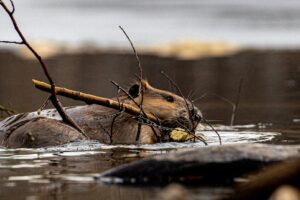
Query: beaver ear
[[134, 90]]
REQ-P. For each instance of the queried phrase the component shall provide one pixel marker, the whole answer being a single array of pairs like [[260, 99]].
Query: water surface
[[72, 171]]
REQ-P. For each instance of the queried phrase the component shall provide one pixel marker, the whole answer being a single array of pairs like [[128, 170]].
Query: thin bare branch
[[13, 7], [134, 51], [129, 96], [66, 118], [11, 42], [106, 132], [139, 65], [192, 134], [142, 112], [191, 94], [205, 121], [116, 116], [163, 128], [46, 102]]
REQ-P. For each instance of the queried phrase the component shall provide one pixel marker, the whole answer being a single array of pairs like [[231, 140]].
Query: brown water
[[269, 111]]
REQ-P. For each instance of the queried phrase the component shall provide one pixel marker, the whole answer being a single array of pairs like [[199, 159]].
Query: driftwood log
[[265, 182], [213, 165]]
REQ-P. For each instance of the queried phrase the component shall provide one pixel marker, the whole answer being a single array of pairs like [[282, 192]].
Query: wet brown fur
[[96, 121]]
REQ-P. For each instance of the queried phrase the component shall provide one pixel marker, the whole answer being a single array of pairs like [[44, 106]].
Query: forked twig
[[67, 119], [163, 128], [46, 102], [11, 42], [142, 112], [129, 96], [193, 124], [115, 117], [139, 64], [134, 51], [141, 75], [192, 134], [13, 7]]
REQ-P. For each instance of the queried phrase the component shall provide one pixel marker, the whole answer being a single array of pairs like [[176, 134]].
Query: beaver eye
[[170, 99], [134, 91]]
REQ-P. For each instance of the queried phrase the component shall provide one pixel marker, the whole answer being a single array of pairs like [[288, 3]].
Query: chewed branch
[[149, 119], [88, 98], [67, 119]]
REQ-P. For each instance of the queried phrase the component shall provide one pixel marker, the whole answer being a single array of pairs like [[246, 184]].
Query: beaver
[[106, 125]]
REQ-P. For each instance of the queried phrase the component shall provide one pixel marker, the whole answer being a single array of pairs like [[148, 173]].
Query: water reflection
[[73, 170]]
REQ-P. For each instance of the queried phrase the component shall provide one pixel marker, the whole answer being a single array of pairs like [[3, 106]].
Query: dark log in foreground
[[214, 165], [272, 177]]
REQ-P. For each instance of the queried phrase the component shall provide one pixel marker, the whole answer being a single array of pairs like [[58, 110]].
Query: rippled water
[[71, 171]]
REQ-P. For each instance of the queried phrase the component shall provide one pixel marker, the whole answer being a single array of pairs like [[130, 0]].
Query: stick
[[141, 74], [88, 98], [220, 139]]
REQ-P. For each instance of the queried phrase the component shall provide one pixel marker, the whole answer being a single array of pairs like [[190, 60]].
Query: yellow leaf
[[180, 135]]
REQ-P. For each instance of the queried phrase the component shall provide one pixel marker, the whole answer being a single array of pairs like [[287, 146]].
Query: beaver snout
[[196, 115], [189, 118]]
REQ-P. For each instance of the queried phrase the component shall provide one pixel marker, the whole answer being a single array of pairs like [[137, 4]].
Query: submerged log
[[214, 165]]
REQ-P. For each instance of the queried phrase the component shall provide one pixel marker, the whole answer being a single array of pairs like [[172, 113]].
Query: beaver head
[[170, 109]]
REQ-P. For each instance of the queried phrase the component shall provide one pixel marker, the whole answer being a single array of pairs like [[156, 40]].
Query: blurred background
[[263, 23], [205, 45]]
